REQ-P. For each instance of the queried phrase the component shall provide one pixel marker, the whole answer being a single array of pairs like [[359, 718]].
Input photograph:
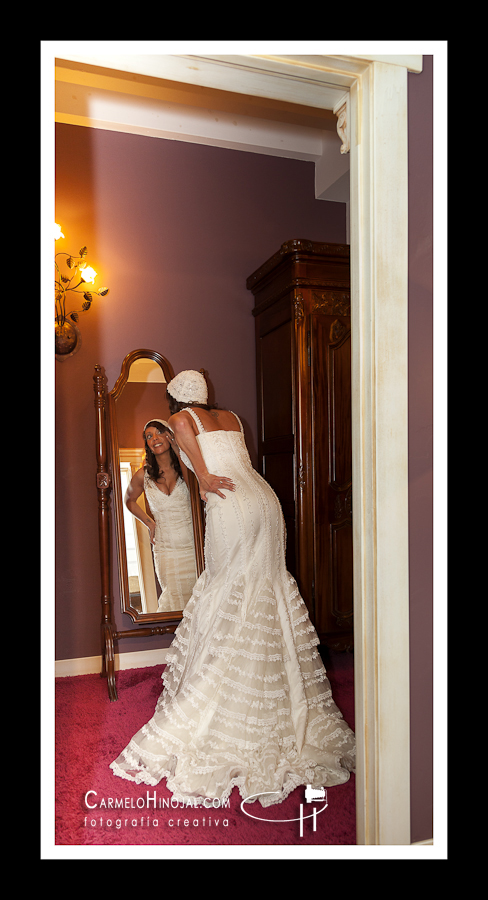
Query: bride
[[170, 524], [246, 700]]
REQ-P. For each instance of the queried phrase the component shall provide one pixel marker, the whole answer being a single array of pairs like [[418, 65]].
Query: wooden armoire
[[303, 357]]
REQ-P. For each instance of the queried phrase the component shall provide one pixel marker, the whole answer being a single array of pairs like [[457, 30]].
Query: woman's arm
[[182, 425], [184, 470], [132, 494]]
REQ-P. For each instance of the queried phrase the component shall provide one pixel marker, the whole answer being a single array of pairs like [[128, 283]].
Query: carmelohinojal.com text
[[114, 808]]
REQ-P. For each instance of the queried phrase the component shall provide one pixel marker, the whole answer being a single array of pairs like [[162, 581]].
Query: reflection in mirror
[[167, 516], [156, 578]]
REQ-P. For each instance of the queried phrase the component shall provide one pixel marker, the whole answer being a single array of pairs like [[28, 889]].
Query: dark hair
[[176, 406], [151, 462]]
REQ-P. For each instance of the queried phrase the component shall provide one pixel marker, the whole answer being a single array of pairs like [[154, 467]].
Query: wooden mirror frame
[[108, 482]]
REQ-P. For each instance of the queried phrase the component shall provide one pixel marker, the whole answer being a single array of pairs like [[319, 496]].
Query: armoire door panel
[[341, 572], [278, 472], [304, 523], [339, 365], [331, 402], [276, 382], [290, 550]]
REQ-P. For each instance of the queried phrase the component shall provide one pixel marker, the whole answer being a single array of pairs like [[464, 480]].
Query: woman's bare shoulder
[[181, 421]]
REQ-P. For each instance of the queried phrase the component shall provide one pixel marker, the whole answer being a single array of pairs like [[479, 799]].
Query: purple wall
[[420, 296], [175, 229]]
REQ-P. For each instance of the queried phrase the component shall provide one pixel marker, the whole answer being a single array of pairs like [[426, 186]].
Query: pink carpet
[[91, 731]]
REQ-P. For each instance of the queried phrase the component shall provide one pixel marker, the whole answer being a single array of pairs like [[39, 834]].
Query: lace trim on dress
[[201, 428], [247, 709]]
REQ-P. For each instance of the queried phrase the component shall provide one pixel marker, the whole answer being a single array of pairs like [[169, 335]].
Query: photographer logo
[[311, 795]]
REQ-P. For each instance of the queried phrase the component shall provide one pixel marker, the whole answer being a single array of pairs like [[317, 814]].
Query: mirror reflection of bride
[[170, 524]]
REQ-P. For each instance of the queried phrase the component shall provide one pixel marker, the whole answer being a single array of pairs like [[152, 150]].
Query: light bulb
[[88, 274]]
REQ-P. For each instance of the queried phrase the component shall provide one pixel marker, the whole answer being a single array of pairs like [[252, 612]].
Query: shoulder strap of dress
[[238, 419], [193, 414]]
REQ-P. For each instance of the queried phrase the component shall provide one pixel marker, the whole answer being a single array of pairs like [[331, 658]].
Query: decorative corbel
[[341, 110]]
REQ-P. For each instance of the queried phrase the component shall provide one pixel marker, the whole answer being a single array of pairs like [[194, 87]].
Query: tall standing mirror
[[155, 581]]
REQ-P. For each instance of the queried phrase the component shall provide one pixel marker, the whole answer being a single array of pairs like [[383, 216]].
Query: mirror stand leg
[[108, 661], [104, 487]]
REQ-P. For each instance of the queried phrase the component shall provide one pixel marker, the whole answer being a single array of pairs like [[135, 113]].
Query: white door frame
[[374, 93], [379, 341]]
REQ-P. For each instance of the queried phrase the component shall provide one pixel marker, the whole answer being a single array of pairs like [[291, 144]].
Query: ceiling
[[141, 96]]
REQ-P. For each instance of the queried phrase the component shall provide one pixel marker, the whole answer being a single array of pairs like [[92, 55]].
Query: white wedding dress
[[246, 700], [174, 545]]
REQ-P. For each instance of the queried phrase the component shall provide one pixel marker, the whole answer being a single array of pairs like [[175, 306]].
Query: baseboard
[[91, 665]]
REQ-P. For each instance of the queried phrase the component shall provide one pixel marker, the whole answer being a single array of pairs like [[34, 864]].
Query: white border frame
[[377, 88]]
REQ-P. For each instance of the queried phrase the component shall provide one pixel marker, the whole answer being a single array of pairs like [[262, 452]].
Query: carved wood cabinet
[[303, 359]]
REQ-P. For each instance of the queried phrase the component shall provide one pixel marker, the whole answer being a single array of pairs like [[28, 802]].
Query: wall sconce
[[67, 333]]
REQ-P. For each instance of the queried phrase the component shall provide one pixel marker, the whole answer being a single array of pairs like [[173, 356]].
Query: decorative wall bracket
[[341, 110]]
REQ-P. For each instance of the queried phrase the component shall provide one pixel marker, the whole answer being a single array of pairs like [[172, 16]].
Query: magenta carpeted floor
[[95, 807]]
